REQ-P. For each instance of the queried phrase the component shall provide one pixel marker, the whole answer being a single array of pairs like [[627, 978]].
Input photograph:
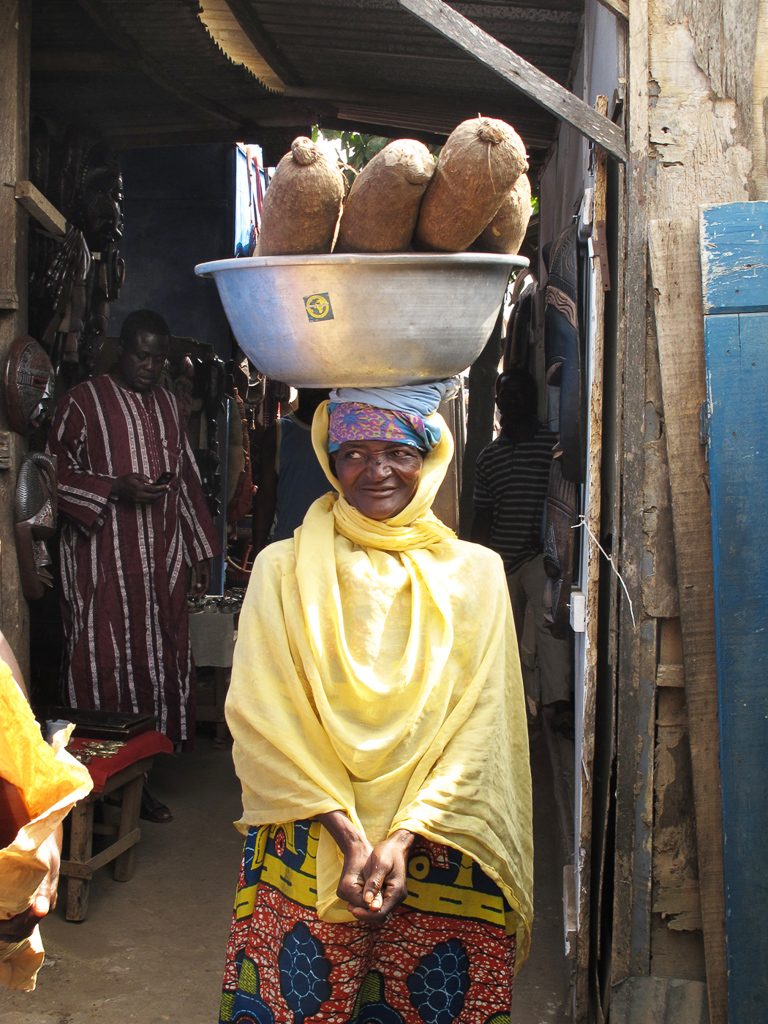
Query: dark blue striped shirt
[[511, 480]]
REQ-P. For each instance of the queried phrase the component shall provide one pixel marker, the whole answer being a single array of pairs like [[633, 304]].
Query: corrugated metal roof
[[149, 71]]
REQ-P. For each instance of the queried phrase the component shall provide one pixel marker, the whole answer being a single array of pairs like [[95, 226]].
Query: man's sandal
[[152, 809]]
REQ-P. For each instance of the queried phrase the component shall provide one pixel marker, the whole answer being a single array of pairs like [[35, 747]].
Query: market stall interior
[[144, 165]]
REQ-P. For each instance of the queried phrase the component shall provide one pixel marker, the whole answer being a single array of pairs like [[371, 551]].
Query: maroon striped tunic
[[125, 566]]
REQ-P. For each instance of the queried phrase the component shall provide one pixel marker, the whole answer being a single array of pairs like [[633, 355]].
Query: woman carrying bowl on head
[[377, 712]]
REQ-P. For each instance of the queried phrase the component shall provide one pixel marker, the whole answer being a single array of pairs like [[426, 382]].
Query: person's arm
[[265, 502], [83, 496], [355, 849], [481, 526]]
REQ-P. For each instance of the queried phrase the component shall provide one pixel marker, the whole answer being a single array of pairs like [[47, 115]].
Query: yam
[[382, 207], [480, 162], [507, 230], [303, 202]]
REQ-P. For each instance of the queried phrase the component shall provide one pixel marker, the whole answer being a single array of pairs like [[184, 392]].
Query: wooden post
[[592, 524], [674, 257], [14, 133], [636, 691], [80, 849], [130, 806]]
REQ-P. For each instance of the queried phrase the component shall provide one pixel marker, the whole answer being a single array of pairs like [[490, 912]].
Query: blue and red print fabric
[[444, 956]]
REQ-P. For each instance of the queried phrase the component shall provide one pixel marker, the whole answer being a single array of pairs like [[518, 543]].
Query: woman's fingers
[[372, 894]]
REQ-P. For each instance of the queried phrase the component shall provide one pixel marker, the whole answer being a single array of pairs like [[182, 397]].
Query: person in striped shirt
[[511, 480]]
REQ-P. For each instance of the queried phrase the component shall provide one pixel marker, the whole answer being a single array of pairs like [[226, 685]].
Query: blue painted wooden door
[[735, 278]]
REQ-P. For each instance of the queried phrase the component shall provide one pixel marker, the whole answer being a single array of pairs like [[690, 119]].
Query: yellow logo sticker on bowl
[[318, 306]]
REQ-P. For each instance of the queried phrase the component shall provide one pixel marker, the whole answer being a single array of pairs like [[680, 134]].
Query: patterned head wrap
[[387, 414]]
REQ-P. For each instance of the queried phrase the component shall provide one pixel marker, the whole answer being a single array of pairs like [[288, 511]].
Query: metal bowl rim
[[435, 259]]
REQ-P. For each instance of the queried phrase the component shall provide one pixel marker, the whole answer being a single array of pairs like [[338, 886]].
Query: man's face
[[514, 401], [142, 360]]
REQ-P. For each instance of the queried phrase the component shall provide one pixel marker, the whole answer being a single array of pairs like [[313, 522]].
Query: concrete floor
[[151, 950]]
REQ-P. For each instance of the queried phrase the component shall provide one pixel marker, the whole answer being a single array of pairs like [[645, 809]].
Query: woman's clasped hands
[[373, 878]]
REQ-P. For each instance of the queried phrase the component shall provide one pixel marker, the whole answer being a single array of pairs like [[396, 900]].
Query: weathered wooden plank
[[636, 690], [737, 380], [593, 491], [674, 259], [659, 575], [14, 122], [519, 73], [37, 206], [661, 1000], [671, 676], [733, 259], [675, 863]]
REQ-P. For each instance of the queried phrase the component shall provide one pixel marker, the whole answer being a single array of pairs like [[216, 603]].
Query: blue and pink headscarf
[[387, 414]]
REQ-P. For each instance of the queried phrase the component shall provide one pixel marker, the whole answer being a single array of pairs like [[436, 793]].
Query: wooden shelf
[[37, 206]]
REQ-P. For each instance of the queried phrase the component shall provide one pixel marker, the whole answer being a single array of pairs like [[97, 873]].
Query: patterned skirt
[[447, 954]]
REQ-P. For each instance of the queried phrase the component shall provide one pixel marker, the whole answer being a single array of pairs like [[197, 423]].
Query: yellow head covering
[[416, 526], [369, 676]]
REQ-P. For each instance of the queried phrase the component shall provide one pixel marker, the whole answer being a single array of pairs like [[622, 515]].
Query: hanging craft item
[[28, 385], [520, 332], [562, 342], [35, 522], [73, 281], [559, 520], [209, 384]]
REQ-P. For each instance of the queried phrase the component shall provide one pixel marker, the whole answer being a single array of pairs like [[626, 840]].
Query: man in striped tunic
[[511, 480], [136, 532]]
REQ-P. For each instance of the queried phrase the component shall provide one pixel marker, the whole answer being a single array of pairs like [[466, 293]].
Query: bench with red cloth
[[117, 769]]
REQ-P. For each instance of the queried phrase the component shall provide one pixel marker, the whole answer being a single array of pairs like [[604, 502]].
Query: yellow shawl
[[376, 671]]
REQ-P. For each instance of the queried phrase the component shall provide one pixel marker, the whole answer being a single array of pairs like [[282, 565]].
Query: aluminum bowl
[[358, 320]]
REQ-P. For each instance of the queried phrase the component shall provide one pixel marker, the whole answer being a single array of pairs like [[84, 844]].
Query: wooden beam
[[519, 73], [675, 274], [37, 206]]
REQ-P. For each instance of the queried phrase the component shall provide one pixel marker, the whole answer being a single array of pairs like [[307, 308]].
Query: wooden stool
[[122, 777]]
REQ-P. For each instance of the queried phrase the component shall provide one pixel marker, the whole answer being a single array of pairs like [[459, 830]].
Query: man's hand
[[137, 488], [201, 578], [21, 926]]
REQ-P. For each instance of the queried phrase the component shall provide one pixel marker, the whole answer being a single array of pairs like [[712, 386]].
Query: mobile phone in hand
[[163, 479]]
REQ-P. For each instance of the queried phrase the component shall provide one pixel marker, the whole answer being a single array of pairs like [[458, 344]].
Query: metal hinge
[[704, 421]]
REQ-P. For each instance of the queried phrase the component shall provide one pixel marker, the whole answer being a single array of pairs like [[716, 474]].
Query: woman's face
[[378, 478]]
